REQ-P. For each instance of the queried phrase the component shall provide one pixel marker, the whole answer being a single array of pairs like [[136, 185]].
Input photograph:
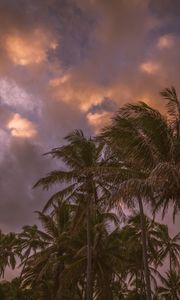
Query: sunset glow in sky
[[69, 64]]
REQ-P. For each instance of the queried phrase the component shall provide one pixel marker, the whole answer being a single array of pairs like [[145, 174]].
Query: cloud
[[69, 64], [166, 8], [21, 127], [150, 67], [99, 120], [22, 165], [4, 141], [16, 97], [165, 41], [70, 89], [29, 49], [99, 115]]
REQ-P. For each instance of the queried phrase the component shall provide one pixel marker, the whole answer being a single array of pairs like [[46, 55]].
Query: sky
[[69, 64]]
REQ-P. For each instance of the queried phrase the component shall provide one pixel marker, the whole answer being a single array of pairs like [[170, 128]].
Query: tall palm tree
[[82, 158], [150, 143], [79, 155], [165, 177]]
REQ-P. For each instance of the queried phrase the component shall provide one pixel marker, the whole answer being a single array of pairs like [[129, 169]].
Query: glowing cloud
[[99, 119], [60, 80], [67, 89], [21, 127], [149, 67], [30, 49], [165, 41]]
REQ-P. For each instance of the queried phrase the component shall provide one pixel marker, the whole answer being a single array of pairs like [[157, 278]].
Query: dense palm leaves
[[57, 269], [171, 286], [150, 143], [63, 261], [82, 158], [170, 248], [7, 251], [13, 291], [84, 248]]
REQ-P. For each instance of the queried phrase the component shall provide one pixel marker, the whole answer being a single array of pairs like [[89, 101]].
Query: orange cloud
[[58, 81], [21, 127], [165, 41], [30, 49], [99, 119], [150, 67], [84, 94]]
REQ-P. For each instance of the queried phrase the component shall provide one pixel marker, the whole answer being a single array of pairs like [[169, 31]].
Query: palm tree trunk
[[89, 250], [170, 262], [142, 284], [136, 282], [144, 249]]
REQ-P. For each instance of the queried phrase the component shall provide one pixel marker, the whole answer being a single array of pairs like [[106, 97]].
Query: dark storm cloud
[[60, 119], [118, 40], [18, 173], [106, 105], [5, 115], [165, 8]]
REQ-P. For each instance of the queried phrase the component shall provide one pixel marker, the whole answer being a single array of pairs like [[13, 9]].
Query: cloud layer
[[70, 64]]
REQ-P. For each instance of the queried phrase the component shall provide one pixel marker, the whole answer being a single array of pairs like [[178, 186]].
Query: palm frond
[[62, 195], [56, 177]]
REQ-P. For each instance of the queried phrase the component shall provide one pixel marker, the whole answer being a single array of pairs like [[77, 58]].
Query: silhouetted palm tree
[[149, 145], [43, 268], [8, 253], [83, 158], [171, 287], [59, 268], [170, 247]]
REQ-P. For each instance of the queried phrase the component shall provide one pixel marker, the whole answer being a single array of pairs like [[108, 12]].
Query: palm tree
[[7, 251], [107, 261], [107, 257], [43, 268], [165, 177], [82, 158], [131, 237], [170, 247], [143, 137], [29, 240], [171, 286], [58, 270]]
